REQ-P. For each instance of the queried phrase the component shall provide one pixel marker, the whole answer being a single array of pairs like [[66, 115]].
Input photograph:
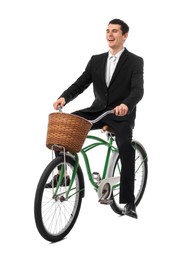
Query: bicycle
[[56, 209]]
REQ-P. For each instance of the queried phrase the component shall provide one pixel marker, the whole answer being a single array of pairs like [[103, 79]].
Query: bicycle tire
[[140, 161], [48, 211]]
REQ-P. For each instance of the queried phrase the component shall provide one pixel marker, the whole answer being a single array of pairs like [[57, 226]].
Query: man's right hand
[[60, 102]]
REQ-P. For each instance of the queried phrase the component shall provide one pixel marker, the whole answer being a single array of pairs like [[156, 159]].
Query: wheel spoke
[[55, 215]]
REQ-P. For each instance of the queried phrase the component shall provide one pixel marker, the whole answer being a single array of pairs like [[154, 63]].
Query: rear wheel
[[56, 215], [141, 173]]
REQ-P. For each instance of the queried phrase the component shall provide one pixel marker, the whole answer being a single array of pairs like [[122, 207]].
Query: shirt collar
[[117, 55]]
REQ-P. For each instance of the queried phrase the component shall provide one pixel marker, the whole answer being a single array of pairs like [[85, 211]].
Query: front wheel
[[141, 173], [56, 209]]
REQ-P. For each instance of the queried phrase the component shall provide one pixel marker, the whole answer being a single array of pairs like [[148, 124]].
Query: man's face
[[114, 36]]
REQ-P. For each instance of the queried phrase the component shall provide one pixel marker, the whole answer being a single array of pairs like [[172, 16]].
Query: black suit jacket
[[126, 85]]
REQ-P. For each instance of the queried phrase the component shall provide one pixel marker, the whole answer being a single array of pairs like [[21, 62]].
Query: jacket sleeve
[[79, 85], [136, 91]]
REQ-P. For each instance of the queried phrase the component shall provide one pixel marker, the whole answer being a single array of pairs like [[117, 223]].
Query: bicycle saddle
[[107, 128]]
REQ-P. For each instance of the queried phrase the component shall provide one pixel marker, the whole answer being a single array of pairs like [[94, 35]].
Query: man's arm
[[137, 91]]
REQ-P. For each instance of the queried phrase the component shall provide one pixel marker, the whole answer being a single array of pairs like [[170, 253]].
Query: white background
[[44, 47]]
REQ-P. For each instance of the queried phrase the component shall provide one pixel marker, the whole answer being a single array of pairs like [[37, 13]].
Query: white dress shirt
[[112, 61]]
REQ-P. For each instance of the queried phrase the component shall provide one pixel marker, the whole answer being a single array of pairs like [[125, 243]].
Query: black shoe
[[130, 210], [55, 182]]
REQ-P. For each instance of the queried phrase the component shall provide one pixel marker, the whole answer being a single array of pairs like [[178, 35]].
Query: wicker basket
[[67, 130]]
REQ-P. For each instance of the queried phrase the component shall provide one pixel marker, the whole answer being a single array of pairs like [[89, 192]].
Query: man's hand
[[60, 102], [121, 110]]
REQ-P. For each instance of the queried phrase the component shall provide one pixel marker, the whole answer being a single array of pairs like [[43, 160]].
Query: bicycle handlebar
[[97, 119], [101, 116]]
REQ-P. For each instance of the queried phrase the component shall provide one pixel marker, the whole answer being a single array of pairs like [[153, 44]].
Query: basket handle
[[101, 116]]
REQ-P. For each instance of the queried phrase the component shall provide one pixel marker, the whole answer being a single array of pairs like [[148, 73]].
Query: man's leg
[[123, 133], [90, 116], [127, 156]]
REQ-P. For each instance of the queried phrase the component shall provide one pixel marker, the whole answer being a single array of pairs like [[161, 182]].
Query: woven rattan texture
[[67, 130]]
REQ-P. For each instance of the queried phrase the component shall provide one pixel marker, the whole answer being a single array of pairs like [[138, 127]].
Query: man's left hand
[[121, 110]]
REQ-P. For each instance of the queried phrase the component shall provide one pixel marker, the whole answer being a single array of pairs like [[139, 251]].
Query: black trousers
[[123, 130]]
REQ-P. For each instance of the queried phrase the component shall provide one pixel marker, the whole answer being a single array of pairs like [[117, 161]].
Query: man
[[117, 78]]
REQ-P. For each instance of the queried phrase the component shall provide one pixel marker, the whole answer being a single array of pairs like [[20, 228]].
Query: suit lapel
[[120, 63], [103, 67]]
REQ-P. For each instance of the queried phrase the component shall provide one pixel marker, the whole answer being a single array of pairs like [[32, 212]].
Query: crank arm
[[105, 187]]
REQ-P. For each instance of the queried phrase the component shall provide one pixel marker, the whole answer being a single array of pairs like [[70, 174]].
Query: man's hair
[[124, 26]]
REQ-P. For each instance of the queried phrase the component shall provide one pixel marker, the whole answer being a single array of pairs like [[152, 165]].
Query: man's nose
[[110, 34]]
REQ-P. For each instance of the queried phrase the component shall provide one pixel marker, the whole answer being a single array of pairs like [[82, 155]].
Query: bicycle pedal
[[106, 202]]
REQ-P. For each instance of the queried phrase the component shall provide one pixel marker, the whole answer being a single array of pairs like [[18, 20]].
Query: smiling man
[[117, 78]]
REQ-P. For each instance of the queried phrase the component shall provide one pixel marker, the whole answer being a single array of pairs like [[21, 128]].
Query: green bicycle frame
[[98, 142]]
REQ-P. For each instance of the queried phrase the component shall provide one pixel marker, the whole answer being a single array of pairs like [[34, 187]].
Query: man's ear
[[125, 36]]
